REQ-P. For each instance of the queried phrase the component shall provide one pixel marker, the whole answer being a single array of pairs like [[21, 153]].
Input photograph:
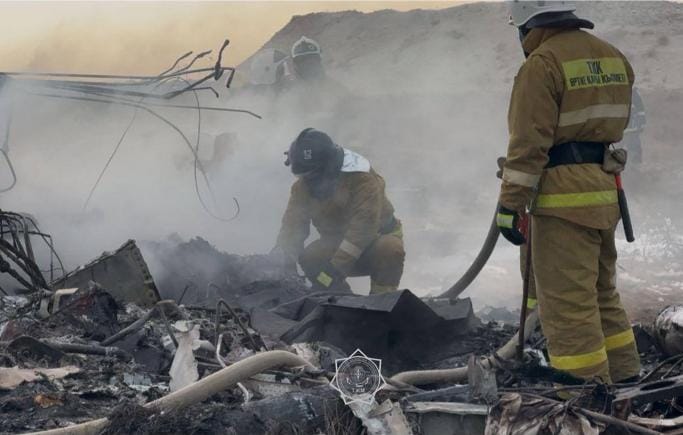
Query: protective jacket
[[573, 87], [353, 217]]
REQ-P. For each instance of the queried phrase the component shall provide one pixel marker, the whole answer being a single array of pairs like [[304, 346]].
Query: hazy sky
[[144, 37]]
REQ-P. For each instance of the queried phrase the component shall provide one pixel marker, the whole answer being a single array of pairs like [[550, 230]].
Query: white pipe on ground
[[200, 390], [459, 374]]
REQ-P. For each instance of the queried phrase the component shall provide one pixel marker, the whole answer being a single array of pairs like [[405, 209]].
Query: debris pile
[[113, 350]]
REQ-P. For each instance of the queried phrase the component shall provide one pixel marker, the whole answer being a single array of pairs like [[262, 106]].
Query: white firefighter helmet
[[267, 67], [521, 11], [305, 46]]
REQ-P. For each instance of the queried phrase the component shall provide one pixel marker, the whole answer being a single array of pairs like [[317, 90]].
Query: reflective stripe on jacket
[[573, 87]]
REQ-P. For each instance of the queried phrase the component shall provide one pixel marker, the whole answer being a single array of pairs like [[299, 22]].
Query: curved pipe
[[477, 264], [200, 390], [459, 374]]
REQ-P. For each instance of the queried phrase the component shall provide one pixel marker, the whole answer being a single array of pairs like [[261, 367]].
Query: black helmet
[[313, 153]]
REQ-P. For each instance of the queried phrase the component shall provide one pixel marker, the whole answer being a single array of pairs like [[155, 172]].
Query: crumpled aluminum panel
[[516, 414], [123, 274]]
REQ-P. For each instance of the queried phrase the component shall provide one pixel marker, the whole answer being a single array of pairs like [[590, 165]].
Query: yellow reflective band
[[504, 220], [575, 362], [594, 73], [619, 340], [583, 199], [531, 303], [592, 112], [324, 279], [520, 178]]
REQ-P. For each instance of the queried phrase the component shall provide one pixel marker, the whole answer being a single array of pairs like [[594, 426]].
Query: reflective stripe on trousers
[[590, 359], [580, 361], [619, 340], [586, 327]]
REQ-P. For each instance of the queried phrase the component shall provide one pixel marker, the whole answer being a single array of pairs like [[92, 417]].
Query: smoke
[[423, 95]]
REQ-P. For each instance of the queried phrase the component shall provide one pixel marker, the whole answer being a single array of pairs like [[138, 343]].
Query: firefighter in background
[[635, 128], [316, 90], [307, 60], [570, 101], [338, 191]]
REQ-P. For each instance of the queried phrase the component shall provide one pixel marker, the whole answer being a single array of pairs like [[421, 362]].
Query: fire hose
[[200, 390], [459, 374], [478, 263], [492, 237]]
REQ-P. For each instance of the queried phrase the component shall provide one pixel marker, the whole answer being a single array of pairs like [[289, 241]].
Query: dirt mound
[[470, 46]]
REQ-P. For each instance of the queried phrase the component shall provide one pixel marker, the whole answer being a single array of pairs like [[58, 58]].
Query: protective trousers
[[382, 260], [587, 329]]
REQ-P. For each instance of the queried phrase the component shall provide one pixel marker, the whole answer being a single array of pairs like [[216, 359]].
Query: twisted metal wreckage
[[256, 352], [105, 89]]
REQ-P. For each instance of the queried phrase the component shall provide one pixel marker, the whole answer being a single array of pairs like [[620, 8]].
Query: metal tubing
[[478, 263]]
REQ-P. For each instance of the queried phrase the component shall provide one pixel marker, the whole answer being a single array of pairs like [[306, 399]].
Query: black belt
[[572, 153]]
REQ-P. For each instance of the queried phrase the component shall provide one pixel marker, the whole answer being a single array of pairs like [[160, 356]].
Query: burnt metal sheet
[[441, 423], [652, 391], [449, 309], [517, 414], [448, 418], [123, 273], [268, 294], [397, 327], [269, 323]]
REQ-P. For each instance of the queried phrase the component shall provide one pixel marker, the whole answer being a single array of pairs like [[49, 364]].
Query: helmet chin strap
[[523, 31]]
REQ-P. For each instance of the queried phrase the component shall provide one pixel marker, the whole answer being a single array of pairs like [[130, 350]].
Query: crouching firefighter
[[569, 103], [344, 198]]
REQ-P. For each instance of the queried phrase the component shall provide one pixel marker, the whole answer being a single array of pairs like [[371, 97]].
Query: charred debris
[[178, 337], [230, 344]]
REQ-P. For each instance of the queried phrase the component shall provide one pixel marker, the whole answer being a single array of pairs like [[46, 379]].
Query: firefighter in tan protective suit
[[570, 101], [344, 198]]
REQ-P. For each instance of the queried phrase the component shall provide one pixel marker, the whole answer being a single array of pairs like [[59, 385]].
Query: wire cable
[[12, 172], [167, 122], [197, 162]]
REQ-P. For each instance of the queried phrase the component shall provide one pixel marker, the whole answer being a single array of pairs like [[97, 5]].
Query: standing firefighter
[[344, 198], [570, 101]]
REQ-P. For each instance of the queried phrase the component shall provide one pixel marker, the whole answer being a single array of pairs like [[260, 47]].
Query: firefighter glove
[[508, 222]]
